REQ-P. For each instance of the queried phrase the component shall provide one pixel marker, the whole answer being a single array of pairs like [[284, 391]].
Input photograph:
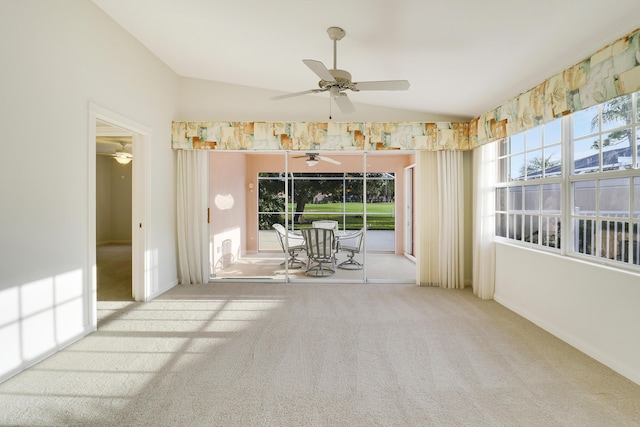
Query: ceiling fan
[[313, 158], [336, 81]]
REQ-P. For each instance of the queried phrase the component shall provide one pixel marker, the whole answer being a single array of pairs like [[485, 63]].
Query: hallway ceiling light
[[123, 157]]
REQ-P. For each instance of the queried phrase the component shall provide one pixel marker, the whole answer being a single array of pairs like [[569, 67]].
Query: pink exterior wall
[[228, 205]]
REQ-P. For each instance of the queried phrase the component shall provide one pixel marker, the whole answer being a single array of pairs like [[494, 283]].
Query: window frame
[[517, 220], [599, 231], [349, 220], [622, 250]]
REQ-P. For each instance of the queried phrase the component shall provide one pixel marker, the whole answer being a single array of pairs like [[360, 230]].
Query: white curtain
[[450, 219], [192, 203], [426, 193], [484, 174]]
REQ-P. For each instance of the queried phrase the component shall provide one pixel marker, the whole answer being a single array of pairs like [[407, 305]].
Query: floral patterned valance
[[321, 136], [611, 72]]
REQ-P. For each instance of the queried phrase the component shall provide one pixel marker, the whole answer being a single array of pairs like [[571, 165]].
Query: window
[[601, 218], [327, 196], [602, 183], [528, 196], [603, 137]]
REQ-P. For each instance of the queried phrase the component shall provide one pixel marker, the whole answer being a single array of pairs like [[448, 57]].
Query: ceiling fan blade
[[328, 159], [319, 68], [291, 95], [382, 85], [344, 103]]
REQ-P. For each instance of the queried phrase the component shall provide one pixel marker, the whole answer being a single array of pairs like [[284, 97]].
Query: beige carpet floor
[[113, 272], [277, 354]]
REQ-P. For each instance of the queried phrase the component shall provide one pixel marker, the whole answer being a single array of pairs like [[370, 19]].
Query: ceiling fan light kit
[[123, 157], [336, 81]]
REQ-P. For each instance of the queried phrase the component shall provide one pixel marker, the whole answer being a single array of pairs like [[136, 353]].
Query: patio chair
[[352, 244], [296, 245], [321, 251]]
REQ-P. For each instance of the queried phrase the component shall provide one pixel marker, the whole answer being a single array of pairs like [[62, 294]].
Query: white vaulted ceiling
[[461, 57]]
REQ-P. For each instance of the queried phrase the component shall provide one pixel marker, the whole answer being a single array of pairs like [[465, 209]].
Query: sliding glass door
[[253, 195]]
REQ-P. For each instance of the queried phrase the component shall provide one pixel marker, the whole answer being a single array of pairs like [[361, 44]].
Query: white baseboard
[[156, 294]]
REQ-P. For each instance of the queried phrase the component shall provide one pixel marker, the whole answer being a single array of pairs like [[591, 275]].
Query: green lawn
[[350, 207], [380, 216]]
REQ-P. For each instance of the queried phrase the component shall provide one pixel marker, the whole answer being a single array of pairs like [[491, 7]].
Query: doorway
[[114, 164], [139, 136]]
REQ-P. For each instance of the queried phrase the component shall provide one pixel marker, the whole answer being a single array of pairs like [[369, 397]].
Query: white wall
[[121, 203], [57, 58], [113, 201], [594, 308], [103, 200]]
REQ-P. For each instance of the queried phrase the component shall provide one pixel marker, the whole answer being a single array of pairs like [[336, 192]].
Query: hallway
[[114, 272]]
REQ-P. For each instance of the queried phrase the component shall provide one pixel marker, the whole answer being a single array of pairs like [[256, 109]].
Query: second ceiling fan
[[312, 159], [336, 81]]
